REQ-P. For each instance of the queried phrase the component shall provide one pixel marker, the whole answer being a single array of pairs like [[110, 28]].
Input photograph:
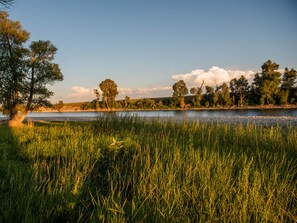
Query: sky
[[146, 46]]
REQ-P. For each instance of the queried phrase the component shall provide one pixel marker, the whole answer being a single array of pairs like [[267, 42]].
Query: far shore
[[48, 110]]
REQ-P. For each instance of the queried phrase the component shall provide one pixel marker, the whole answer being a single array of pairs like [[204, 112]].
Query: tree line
[[269, 87]]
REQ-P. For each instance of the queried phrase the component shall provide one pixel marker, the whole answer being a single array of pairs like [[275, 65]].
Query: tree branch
[[6, 3]]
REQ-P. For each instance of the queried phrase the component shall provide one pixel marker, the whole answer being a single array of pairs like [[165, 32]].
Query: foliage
[[289, 85], [268, 87], [179, 91], [267, 83], [97, 100], [222, 95], [109, 92], [58, 106], [239, 90], [209, 96], [24, 72], [198, 95], [114, 170], [6, 3], [127, 101]]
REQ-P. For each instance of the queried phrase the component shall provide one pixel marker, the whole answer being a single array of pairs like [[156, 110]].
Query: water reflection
[[168, 114]]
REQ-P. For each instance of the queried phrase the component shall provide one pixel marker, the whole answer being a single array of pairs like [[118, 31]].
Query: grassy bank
[[131, 170]]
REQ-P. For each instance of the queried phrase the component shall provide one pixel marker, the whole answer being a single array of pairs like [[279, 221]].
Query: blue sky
[[146, 46]]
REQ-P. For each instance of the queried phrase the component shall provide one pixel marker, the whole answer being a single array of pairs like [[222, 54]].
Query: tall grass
[[134, 170]]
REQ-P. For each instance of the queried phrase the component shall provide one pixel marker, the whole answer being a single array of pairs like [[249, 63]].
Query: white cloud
[[81, 92], [143, 90], [158, 91], [212, 77]]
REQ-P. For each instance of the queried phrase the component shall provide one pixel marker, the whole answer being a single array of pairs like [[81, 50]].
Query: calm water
[[168, 114]]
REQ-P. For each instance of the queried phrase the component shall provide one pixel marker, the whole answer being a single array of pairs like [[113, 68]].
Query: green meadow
[[136, 170]]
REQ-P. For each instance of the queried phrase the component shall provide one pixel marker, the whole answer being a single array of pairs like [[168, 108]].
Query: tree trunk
[[182, 102], [241, 99], [16, 121]]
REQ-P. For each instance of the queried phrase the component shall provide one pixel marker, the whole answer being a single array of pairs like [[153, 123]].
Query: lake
[[262, 116]]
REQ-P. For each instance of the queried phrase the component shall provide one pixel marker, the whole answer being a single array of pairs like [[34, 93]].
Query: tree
[[224, 95], [97, 100], [198, 95], [232, 86], [127, 101], [24, 72], [109, 92], [6, 3], [58, 106], [209, 96], [239, 90], [179, 91], [288, 83], [267, 82]]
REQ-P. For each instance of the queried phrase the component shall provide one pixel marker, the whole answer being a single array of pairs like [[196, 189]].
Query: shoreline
[[267, 107], [263, 120]]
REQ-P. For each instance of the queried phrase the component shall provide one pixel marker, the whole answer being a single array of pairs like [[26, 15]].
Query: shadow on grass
[[38, 184], [19, 197], [27, 182]]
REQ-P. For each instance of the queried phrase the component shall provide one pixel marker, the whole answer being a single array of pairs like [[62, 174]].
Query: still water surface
[[170, 114]]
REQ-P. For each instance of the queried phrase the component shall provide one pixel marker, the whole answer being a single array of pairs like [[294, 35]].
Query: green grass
[[131, 170]]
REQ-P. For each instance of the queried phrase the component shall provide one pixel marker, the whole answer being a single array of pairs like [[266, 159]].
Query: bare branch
[[6, 3]]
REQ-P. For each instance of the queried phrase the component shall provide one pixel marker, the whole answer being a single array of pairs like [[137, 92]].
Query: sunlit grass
[[132, 170]]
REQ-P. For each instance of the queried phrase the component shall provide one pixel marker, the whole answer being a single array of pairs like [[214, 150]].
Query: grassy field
[[132, 170]]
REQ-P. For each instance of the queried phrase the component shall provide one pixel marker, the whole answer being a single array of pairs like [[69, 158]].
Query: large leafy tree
[[24, 72], [266, 84], [179, 91], [109, 92]]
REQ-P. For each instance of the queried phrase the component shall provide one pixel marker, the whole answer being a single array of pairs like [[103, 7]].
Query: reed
[[134, 170]]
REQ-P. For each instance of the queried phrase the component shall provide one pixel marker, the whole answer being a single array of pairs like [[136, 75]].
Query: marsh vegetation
[[134, 170]]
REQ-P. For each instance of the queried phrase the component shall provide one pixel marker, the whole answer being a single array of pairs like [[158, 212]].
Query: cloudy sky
[[145, 46]]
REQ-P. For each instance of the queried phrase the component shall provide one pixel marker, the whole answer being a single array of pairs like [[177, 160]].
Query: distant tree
[[109, 92], [58, 106], [140, 104], [209, 96], [232, 86], [160, 105], [217, 96], [266, 84], [242, 89], [86, 106], [239, 90], [25, 73], [225, 99], [127, 101], [179, 91], [149, 103], [283, 97], [97, 100], [197, 95], [288, 83], [166, 102]]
